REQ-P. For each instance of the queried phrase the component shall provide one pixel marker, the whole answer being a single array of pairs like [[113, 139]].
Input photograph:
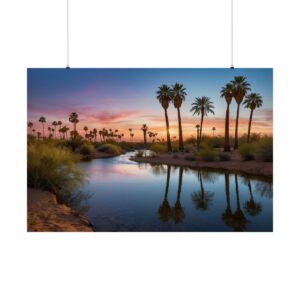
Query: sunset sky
[[126, 98]]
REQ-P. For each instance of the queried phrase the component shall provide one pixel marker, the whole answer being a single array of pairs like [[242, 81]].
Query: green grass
[[86, 149], [247, 151], [158, 148], [264, 149], [53, 168]]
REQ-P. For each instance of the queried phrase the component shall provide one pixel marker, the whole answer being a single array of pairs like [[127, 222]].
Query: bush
[[111, 149], [188, 148], [207, 154], [53, 169], [86, 149], [224, 156], [264, 149], [158, 148], [246, 151], [139, 153]]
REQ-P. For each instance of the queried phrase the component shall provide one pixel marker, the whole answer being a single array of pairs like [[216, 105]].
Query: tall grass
[[53, 168], [111, 149]]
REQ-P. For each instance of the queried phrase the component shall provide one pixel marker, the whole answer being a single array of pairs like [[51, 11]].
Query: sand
[[45, 214]]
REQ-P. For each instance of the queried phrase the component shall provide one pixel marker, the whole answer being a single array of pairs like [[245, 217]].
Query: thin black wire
[[232, 67], [68, 35]]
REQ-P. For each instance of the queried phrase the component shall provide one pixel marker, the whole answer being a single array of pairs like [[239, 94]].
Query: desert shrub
[[139, 153], [190, 157], [247, 151], [111, 149], [86, 149], [224, 156], [188, 148], [75, 142], [207, 154], [264, 149], [53, 169], [158, 148]]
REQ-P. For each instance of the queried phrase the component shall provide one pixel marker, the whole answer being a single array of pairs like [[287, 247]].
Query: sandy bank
[[45, 214], [248, 167]]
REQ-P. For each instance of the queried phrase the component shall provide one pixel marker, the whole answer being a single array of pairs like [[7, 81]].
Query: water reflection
[[168, 198]]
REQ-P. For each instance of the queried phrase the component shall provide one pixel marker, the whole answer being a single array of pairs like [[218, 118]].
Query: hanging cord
[[68, 34], [232, 67]]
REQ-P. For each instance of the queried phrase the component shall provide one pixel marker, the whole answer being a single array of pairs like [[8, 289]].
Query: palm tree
[[54, 124], [178, 96], [202, 106], [38, 135], [43, 120], [177, 211], [213, 130], [145, 129], [73, 118], [198, 136], [131, 135], [59, 123], [240, 89], [252, 101], [95, 131], [252, 208], [85, 128], [227, 215], [164, 97], [227, 93], [164, 210], [30, 124], [49, 132]]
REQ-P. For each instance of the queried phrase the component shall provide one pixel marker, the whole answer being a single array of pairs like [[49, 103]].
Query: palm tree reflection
[[202, 199], [227, 215], [177, 211], [164, 210], [252, 208]]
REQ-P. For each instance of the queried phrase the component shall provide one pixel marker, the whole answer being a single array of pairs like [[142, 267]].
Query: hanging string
[[232, 67], [68, 34]]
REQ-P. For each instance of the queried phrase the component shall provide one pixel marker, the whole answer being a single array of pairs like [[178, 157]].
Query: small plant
[[140, 153], [224, 157], [86, 149], [246, 151]]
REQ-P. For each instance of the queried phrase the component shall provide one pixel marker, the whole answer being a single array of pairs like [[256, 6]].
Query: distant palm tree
[[213, 130], [85, 128], [38, 135], [202, 106], [178, 96], [30, 124], [59, 123], [227, 93], [164, 97], [73, 118], [131, 135], [43, 121], [49, 132], [240, 89], [145, 129], [252, 101], [54, 124], [95, 131]]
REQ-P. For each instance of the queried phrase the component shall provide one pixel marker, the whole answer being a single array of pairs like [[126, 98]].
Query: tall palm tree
[[240, 89], [178, 211], [164, 96], [202, 106], [252, 101], [198, 136], [54, 124], [43, 121], [164, 210], [178, 96], [30, 124], [145, 129], [59, 123], [227, 93], [73, 118]]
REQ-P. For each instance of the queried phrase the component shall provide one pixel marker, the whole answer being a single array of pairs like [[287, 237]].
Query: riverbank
[[236, 164], [98, 154], [45, 214]]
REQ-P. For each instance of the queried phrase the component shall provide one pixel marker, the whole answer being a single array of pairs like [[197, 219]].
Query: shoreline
[[252, 167], [45, 214]]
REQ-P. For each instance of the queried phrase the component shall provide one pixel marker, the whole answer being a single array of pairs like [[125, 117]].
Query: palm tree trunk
[[249, 126], [168, 132], [236, 136], [181, 148], [179, 184], [237, 192], [145, 138], [43, 131], [227, 140], [198, 138], [227, 191], [201, 123]]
